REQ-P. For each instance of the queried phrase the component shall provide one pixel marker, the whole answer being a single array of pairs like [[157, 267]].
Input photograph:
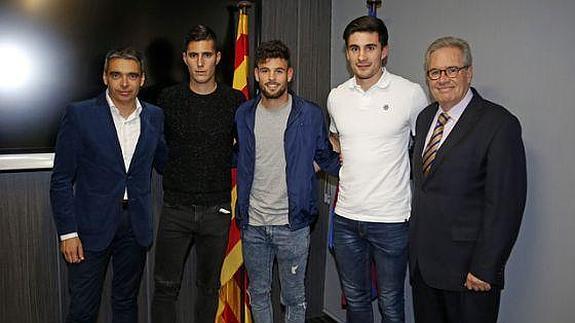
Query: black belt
[[124, 204]]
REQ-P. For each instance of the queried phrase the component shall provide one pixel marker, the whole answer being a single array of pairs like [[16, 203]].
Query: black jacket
[[466, 213]]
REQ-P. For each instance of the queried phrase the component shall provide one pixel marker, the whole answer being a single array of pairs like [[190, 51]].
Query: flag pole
[[243, 6], [372, 6]]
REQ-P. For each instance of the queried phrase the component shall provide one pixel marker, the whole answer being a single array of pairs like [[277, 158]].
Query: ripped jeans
[[261, 244]]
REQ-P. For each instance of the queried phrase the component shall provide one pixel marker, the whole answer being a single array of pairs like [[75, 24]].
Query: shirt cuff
[[68, 236]]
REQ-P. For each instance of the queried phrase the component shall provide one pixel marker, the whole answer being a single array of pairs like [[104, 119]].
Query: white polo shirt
[[374, 129]]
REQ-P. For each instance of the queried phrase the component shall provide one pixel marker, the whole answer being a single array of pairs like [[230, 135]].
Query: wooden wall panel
[[280, 20], [314, 50], [29, 263]]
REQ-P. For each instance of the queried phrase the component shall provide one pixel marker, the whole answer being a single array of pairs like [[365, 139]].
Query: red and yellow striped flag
[[241, 56], [232, 295]]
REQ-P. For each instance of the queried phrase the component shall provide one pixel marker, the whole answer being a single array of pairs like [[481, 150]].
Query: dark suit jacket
[[89, 175], [466, 213]]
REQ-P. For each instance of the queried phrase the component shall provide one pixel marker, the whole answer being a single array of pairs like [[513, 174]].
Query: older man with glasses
[[470, 188]]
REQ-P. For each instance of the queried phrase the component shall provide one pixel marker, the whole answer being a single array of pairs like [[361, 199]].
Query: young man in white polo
[[372, 116]]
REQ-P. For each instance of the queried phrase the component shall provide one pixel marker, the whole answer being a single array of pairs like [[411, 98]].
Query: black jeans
[[180, 228]]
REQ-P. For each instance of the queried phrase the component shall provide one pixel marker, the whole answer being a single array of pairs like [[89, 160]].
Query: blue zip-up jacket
[[305, 140]]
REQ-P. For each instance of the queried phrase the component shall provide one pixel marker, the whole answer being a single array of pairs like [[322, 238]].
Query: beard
[[273, 95]]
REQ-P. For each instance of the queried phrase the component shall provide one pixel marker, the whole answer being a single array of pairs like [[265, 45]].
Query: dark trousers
[[431, 305], [181, 228], [86, 278]]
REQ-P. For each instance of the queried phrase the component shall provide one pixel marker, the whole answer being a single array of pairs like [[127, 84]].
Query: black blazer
[[89, 175], [466, 213]]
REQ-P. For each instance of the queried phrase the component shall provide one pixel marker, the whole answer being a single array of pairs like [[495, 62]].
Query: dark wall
[[65, 42]]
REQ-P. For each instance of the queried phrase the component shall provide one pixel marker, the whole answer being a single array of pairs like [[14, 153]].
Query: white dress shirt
[[128, 131], [454, 114]]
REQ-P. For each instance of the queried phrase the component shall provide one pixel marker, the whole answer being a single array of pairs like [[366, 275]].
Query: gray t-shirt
[[268, 197]]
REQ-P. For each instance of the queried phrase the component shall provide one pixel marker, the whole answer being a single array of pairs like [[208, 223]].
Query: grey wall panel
[[280, 20], [28, 250], [314, 50]]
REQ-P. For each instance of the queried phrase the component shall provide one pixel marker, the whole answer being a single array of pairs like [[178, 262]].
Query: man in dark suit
[[101, 191], [470, 187]]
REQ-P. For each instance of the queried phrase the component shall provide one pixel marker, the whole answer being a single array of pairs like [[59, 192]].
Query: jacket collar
[[465, 124], [107, 122]]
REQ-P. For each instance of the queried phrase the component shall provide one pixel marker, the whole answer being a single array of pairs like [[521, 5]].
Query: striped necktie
[[433, 144]]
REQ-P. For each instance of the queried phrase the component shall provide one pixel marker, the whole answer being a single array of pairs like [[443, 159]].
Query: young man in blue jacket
[[280, 135]]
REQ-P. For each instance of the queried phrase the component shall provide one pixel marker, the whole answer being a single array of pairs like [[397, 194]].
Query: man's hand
[[476, 284], [316, 167], [72, 250], [334, 140]]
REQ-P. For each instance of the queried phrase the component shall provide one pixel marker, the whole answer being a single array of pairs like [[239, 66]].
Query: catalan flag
[[233, 297], [241, 58]]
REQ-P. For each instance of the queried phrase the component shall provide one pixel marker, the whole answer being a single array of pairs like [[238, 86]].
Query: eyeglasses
[[451, 72]]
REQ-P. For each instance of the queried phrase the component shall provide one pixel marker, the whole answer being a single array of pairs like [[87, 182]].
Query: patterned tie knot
[[433, 144], [443, 117]]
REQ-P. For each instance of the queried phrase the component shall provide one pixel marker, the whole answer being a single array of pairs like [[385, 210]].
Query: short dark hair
[[272, 49], [199, 33], [367, 24], [125, 53]]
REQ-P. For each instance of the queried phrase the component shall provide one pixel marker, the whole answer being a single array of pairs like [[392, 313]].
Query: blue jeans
[[261, 244], [356, 243]]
